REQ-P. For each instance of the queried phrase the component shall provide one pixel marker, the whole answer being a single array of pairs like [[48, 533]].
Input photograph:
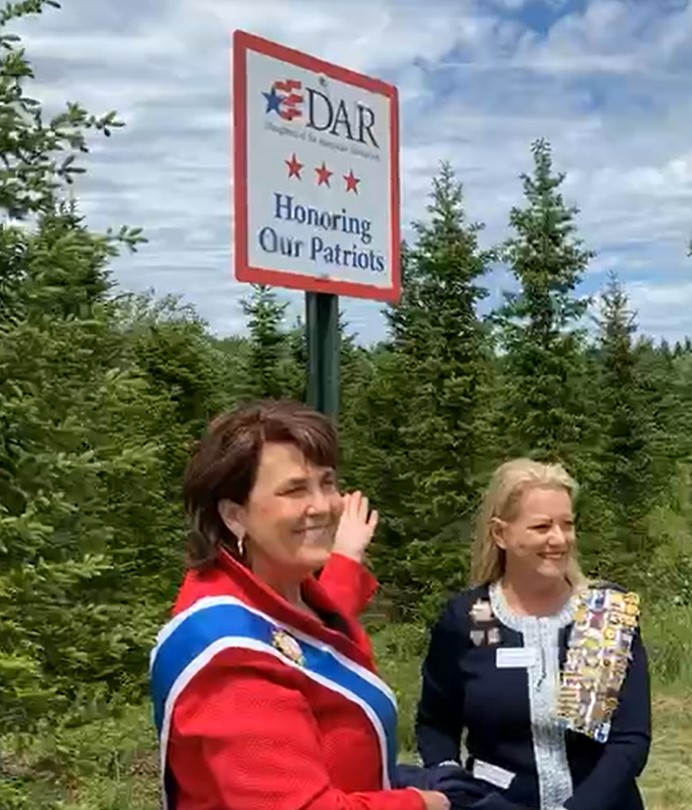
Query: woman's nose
[[557, 536], [319, 503]]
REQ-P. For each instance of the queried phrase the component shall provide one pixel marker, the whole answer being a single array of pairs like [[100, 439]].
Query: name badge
[[516, 657], [493, 774]]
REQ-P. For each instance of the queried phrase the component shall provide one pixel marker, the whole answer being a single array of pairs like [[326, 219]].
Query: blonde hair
[[508, 483]]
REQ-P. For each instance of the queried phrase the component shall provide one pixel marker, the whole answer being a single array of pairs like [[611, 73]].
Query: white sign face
[[316, 174]]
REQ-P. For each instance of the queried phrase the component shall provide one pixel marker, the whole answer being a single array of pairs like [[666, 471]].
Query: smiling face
[[291, 515], [539, 536]]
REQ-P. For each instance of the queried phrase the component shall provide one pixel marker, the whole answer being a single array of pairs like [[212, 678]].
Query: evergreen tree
[[78, 468], [443, 363], [268, 370], [544, 403], [298, 356], [625, 458]]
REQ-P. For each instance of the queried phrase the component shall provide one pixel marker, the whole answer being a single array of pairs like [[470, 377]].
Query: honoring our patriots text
[[322, 247]]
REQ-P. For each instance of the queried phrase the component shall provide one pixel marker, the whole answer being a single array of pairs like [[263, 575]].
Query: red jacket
[[262, 707]]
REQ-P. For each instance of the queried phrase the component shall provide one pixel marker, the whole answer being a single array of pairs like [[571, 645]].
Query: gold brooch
[[288, 646]]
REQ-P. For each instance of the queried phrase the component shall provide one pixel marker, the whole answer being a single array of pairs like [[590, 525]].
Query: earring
[[240, 543]]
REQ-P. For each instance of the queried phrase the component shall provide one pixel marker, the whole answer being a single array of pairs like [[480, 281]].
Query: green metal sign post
[[324, 355]]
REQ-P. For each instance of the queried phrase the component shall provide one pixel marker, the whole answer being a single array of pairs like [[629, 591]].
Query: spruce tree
[[267, 369], [441, 362], [625, 457], [539, 325], [81, 490]]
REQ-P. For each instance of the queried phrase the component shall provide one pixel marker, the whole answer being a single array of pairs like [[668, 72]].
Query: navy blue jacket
[[504, 701]]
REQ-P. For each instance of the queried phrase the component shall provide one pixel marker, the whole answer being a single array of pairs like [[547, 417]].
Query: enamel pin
[[481, 612], [288, 646], [485, 630]]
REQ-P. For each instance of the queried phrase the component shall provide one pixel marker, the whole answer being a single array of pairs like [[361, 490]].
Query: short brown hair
[[224, 465]]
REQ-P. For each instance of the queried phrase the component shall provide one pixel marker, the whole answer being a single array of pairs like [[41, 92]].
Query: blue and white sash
[[192, 638]]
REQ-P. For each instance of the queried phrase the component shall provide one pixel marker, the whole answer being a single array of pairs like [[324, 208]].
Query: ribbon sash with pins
[[598, 654]]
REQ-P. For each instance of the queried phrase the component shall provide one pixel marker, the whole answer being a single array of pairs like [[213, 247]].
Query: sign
[[316, 174]]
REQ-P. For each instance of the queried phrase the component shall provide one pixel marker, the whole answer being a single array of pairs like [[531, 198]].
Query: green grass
[[667, 780], [110, 763]]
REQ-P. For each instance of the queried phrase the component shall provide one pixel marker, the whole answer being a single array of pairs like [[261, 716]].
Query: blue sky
[[606, 81]]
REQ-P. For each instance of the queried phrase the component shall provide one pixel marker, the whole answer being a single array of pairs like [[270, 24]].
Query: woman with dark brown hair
[[264, 685]]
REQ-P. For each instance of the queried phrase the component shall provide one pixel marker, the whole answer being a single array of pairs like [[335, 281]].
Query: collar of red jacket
[[228, 577], [266, 598]]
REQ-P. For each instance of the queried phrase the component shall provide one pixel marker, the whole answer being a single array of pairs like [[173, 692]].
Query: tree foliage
[[441, 353], [625, 466], [539, 325]]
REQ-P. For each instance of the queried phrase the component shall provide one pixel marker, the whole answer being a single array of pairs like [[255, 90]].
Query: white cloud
[[667, 307], [608, 84]]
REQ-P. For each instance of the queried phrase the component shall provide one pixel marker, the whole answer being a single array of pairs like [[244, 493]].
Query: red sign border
[[242, 43]]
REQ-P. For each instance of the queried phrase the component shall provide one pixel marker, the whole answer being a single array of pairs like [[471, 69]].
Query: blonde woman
[[544, 672]]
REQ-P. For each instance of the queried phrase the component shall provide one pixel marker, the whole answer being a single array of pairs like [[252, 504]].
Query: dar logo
[[317, 110], [284, 100]]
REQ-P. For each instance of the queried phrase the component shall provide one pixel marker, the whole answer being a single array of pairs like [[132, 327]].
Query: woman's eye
[[294, 491]]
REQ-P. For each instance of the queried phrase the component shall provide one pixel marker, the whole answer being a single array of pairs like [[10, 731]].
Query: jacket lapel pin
[[288, 646]]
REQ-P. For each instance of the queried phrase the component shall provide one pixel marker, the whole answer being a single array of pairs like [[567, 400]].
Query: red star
[[351, 182], [323, 175], [294, 166]]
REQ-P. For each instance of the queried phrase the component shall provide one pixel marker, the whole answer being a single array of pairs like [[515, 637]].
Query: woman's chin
[[319, 555], [312, 557], [552, 569]]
